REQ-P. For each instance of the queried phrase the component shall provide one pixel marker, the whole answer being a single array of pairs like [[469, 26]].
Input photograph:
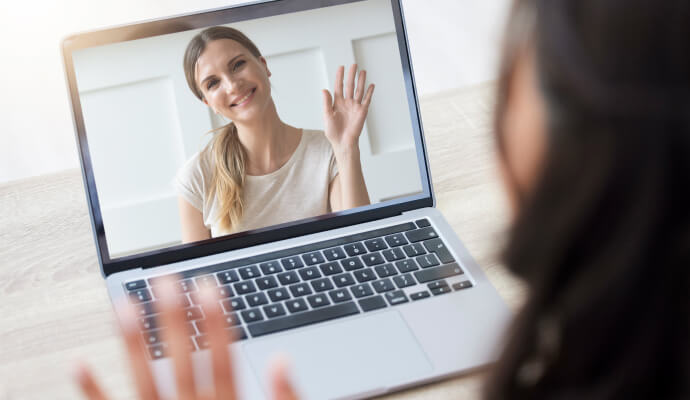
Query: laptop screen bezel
[[222, 16]]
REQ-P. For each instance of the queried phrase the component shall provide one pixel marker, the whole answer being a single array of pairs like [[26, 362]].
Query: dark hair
[[603, 239]]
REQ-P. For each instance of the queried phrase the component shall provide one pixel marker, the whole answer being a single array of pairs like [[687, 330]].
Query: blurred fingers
[[219, 339], [367, 97], [338, 91], [281, 387], [143, 378], [87, 382], [350, 84], [176, 335], [361, 82], [327, 102]]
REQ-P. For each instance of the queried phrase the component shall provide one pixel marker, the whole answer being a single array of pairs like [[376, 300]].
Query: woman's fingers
[[367, 97], [137, 358], [350, 84], [219, 340], [338, 91], [361, 82], [87, 382], [327, 102], [281, 387], [176, 335]]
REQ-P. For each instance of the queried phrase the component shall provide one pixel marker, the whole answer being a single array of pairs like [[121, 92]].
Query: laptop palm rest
[[344, 357]]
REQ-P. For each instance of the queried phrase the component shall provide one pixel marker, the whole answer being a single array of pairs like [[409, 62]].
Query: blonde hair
[[225, 150]]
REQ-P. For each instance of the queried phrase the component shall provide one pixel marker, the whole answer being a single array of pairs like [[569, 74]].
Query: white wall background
[[454, 44]]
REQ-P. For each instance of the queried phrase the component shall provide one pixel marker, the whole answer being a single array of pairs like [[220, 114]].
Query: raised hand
[[176, 335], [346, 110]]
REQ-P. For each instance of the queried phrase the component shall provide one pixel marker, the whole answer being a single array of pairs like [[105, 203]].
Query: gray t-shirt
[[298, 189]]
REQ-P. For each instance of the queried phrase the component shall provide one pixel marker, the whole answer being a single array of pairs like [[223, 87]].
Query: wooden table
[[54, 305]]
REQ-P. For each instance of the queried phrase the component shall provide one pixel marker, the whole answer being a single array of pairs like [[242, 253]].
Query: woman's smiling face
[[233, 82]]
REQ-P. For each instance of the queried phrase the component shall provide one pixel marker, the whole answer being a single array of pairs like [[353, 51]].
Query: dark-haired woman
[[593, 138]]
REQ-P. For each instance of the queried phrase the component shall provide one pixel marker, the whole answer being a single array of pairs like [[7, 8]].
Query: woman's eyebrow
[[229, 62]]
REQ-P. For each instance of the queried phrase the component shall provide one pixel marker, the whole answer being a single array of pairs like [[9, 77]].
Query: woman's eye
[[211, 84], [238, 65]]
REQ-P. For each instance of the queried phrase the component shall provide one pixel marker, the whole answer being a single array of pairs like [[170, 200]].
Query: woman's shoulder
[[313, 138], [196, 168]]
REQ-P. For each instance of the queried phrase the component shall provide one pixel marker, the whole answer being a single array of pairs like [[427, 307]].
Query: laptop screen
[[215, 126]]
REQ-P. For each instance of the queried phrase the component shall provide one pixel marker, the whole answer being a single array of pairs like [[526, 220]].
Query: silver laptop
[[363, 301]]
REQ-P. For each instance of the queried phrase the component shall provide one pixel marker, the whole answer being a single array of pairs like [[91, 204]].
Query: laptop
[[363, 301]]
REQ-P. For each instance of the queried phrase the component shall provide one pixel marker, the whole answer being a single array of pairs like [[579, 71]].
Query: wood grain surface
[[54, 305]]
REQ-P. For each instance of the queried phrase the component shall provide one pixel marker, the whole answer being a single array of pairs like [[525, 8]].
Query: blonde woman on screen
[[257, 170]]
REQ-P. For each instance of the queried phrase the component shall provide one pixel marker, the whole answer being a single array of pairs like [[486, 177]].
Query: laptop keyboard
[[309, 284]]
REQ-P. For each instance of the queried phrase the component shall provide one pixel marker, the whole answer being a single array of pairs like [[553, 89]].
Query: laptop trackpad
[[343, 358]]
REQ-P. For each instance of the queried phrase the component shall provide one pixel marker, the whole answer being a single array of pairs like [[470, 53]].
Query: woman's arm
[[344, 114], [192, 222]]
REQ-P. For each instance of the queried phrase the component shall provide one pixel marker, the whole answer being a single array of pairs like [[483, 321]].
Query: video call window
[[151, 137]]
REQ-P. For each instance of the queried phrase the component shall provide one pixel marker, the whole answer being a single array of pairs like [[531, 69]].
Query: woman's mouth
[[244, 100]]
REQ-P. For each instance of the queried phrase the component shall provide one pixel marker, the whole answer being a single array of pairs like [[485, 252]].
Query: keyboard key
[[139, 296], [231, 319], [442, 272], [422, 223], [245, 287], [148, 323], [339, 295], [335, 253], [438, 247], [296, 305], [352, 264], [404, 281], [385, 270], [330, 268], [157, 352], [375, 244], [235, 304], [355, 249], [309, 273], [321, 285], [291, 263], [278, 294], [206, 281], [372, 303], [396, 297], [414, 250], [300, 289], [373, 259], [249, 272], [427, 260], [405, 266], [364, 275], [343, 280], [288, 278], [420, 295], [440, 290], [237, 333], [186, 286], [193, 313], [144, 309], [393, 254], [421, 234], [224, 291], [383, 285], [437, 284], [256, 299], [395, 240], [135, 285], [313, 258], [271, 267], [266, 282], [274, 310], [227, 277], [362, 290], [302, 319], [318, 300], [252, 315], [462, 285], [152, 337]]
